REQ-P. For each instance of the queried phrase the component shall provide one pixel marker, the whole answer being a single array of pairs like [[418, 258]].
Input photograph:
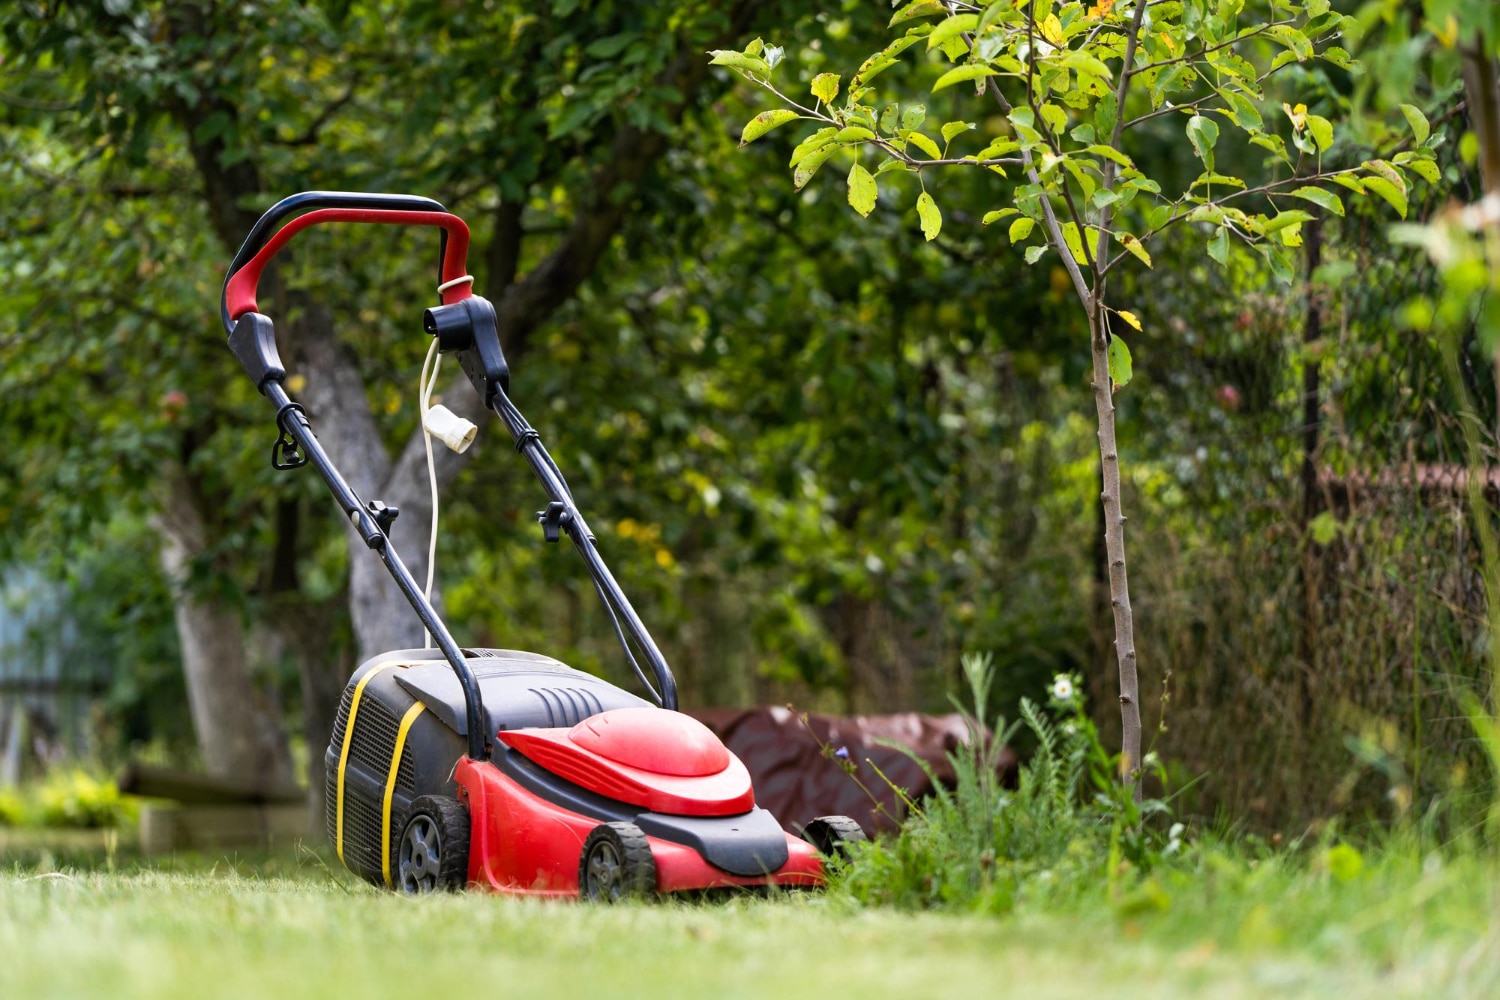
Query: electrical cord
[[424, 399]]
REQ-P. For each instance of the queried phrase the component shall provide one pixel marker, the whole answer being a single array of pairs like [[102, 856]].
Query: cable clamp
[[284, 453], [467, 279], [528, 436]]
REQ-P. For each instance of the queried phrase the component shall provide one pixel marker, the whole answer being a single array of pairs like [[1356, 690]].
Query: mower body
[[570, 752]]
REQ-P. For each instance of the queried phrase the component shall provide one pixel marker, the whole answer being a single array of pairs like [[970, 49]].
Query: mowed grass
[[286, 928]]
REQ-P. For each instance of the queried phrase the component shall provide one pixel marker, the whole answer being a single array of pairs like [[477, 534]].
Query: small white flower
[[1152, 760], [1062, 687], [1176, 831], [1069, 729]]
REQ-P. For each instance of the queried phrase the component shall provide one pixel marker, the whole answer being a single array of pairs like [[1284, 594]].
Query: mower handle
[[243, 277]]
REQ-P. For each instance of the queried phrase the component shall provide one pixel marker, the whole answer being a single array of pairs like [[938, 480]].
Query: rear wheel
[[832, 835], [433, 853], [616, 864]]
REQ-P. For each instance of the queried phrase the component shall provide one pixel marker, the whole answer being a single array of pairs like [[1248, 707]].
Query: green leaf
[[1427, 170], [765, 122], [1021, 228], [888, 118], [810, 165], [1390, 192], [1034, 254], [1349, 181], [1218, 245], [1134, 246], [1326, 200], [1106, 112], [812, 144], [1338, 57], [1109, 153], [997, 215], [1418, 121], [862, 190], [925, 144], [968, 71], [1223, 180], [916, 9], [951, 129], [1322, 131], [1055, 117], [1325, 528], [1120, 368], [854, 133], [913, 116], [1293, 217], [740, 61], [929, 215], [1246, 115], [825, 87], [1293, 39], [1203, 133], [952, 28]]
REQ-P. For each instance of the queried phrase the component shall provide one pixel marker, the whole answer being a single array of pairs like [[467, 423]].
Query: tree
[[156, 120], [1072, 124]]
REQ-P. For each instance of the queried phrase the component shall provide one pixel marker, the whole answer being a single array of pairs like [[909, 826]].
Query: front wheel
[[433, 854], [832, 835], [616, 864]]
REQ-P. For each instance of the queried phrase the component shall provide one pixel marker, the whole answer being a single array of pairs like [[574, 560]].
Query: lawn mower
[[502, 769]]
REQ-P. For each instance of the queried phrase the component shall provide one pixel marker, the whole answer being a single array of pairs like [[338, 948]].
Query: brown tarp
[[797, 779]]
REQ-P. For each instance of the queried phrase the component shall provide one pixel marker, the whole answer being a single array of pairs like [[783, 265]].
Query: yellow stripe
[[390, 786], [359, 690]]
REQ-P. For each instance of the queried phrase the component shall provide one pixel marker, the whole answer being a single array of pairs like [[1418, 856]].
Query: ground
[[287, 927]]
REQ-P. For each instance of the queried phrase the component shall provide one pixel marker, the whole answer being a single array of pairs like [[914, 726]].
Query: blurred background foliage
[[823, 455]]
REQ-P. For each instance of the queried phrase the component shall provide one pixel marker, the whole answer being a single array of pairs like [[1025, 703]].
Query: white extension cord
[[451, 429]]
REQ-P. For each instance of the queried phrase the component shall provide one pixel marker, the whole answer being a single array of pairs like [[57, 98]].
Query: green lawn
[[284, 928]]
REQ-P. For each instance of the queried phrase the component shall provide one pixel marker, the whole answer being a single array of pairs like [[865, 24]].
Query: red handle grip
[[239, 292]]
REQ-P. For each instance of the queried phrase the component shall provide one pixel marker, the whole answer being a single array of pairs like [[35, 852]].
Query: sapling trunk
[[1114, 547]]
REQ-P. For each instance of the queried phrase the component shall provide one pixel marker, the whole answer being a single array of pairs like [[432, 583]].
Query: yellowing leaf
[[862, 190], [1134, 246], [1051, 29], [925, 144], [825, 87], [1128, 317], [997, 215], [1298, 115], [1021, 228], [763, 123], [1100, 9], [929, 215]]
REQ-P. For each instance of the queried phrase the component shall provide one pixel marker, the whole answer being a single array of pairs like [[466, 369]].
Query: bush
[[76, 799], [10, 808], [1068, 823]]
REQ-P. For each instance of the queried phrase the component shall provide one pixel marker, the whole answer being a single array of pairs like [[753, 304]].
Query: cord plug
[[449, 428]]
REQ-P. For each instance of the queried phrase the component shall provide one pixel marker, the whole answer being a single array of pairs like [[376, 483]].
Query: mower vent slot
[[568, 706], [375, 730]]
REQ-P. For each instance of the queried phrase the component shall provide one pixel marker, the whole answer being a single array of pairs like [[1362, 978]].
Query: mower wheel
[[616, 864], [832, 835], [433, 853]]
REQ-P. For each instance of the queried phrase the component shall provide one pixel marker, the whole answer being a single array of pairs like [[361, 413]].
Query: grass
[[285, 927]]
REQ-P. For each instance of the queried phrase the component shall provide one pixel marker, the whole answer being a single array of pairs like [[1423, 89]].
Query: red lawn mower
[[498, 768]]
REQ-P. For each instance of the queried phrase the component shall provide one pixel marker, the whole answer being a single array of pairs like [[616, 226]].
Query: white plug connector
[[449, 428]]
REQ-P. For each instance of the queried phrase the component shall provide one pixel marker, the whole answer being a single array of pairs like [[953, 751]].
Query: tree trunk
[[238, 736], [1114, 545], [1311, 563]]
